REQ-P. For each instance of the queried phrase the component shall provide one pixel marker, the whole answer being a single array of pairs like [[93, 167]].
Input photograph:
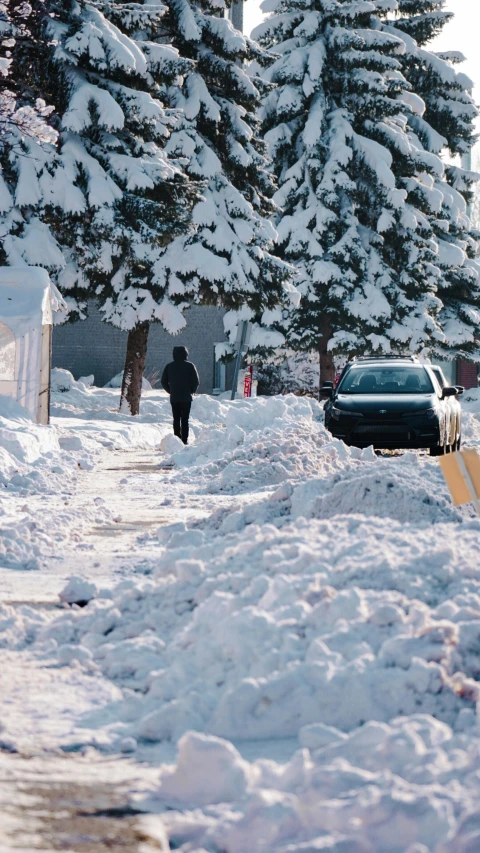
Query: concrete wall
[[92, 346]]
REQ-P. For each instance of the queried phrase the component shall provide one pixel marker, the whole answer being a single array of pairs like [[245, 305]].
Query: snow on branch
[[16, 117], [25, 120]]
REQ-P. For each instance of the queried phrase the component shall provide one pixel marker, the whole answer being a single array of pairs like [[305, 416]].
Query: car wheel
[[454, 436], [440, 450]]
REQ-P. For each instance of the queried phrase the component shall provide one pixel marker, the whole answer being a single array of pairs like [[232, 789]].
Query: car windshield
[[385, 379]]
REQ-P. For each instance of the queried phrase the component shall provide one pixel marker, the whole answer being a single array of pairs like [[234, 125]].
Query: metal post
[[240, 351], [235, 13]]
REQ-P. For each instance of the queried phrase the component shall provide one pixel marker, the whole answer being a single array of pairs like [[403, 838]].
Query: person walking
[[180, 379]]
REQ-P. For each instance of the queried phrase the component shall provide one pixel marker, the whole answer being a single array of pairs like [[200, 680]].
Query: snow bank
[[30, 465], [390, 788], [78, 591], [470, 400], [35, 464], [25, 448], [87, 418], [332, 598], [257, 636], [117, 380]]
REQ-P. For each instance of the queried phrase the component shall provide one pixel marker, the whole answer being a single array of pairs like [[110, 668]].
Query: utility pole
[[467, 372], [235, 14], [243, 336]]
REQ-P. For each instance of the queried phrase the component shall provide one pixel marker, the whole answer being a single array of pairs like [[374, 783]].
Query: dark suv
[[392, 403]]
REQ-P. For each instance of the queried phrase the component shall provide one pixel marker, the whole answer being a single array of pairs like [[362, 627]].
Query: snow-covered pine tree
[[18, 114], [227, 260], [337, 127], [445, 121], [27, 141], [113, 197]]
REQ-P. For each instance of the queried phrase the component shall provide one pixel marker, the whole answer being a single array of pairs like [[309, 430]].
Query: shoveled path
[[60, 803], [135, 489], [53, 797]]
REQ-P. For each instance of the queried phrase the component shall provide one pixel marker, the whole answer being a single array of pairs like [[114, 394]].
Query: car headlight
[[335, 413], [429, 413]]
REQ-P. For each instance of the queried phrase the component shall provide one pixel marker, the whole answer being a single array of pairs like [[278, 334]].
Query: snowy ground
[[282, 639]]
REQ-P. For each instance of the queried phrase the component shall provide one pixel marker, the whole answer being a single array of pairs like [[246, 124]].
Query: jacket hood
[[180, 353]]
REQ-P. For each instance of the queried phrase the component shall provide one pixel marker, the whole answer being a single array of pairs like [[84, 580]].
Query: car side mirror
[[449, 391], [460, 389], [327, 390]]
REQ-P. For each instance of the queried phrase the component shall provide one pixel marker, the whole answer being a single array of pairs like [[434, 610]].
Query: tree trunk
[[327, 366], [134, 367]]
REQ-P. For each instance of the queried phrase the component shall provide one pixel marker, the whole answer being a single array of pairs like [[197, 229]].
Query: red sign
[[247, 382]]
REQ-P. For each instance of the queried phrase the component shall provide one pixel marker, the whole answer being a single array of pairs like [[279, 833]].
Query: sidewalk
[[52, 786]]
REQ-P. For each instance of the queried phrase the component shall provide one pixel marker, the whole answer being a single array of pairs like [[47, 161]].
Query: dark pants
[[181, 414]]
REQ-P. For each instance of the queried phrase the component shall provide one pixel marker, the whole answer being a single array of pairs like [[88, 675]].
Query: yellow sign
[[462, 474]]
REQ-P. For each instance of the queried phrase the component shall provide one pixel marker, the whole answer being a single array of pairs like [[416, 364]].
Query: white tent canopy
[[28, 303]]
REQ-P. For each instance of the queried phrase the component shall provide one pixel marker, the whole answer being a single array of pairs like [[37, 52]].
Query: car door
[[439, 383]]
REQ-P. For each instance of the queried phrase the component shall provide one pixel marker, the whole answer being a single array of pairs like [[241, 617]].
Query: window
[[7, 354]]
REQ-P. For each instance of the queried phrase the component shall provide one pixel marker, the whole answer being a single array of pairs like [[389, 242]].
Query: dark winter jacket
[[180, 378]]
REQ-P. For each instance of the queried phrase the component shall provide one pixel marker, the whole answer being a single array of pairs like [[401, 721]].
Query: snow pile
[[470, 400], [116, 382], [330, 602], [257, 636], [171, 444], [20, 437], [383, 789], [78, 591], [256, 444], [34, 464], [87, 418], [218, 427], [30, 468], [22, 544], [62, 381], [409, 489], [262, 616]]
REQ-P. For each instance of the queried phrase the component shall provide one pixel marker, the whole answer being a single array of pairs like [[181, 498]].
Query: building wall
[[92, 346], [467, 374]]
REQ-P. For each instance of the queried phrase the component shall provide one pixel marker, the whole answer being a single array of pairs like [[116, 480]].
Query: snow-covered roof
[[27, 297]]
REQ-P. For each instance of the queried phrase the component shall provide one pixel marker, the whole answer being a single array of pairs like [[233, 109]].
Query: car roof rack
[[362, 358]]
